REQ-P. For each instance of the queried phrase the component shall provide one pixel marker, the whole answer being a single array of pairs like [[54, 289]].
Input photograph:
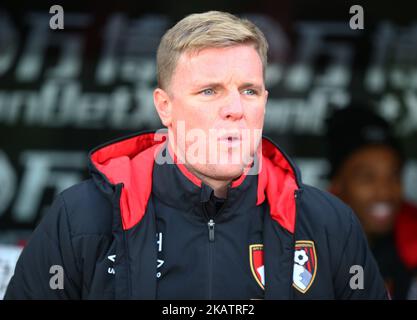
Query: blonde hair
[[212, 29]]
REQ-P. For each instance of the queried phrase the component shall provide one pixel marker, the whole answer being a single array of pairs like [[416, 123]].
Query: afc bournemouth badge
[[256, 260], [305, 265]]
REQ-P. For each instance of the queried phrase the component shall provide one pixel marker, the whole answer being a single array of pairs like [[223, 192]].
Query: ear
[[266, 100], [163, 106]]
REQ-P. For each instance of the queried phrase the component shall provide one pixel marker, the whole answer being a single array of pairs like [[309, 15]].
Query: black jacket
[[143, 229]]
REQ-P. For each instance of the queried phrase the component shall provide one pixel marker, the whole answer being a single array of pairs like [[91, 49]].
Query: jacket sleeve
[[46, 268], [358, 275]]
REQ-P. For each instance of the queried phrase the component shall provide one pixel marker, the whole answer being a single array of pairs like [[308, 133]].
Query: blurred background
[[65, 91]]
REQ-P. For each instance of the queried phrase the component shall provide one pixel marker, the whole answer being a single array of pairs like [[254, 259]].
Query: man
[[209, 210], [366, 169]]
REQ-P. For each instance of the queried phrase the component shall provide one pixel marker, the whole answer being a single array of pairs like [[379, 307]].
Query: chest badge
[[305, 265], [256, 261]]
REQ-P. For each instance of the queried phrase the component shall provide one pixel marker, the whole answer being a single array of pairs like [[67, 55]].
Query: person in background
[[366, 165]]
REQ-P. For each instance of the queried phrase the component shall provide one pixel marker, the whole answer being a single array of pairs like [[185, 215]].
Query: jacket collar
[[182, 189], [129, 162]]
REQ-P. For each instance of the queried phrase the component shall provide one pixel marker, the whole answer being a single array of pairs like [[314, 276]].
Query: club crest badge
[[305, 265], [256, 260]]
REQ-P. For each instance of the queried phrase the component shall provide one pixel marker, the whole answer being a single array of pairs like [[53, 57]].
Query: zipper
[[210, 267], [211, 237], [210, 226], [297, 194]]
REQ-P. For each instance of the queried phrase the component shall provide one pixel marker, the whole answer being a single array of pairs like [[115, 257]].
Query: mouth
[[381, 211], [231, 140]]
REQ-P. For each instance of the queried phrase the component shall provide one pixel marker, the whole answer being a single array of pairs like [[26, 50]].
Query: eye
[[207, 92], [250, 92]]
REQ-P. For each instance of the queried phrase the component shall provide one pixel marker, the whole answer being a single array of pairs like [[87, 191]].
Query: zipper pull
[[211, 225]]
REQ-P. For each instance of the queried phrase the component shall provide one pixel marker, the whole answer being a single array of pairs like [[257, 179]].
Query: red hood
[[406, 234], [130, 161]]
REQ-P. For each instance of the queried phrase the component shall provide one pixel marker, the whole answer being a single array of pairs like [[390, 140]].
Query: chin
[[379, 229], [383, 229], [223, 171]]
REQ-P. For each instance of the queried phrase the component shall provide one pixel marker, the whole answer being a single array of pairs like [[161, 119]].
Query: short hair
[[212, 29], [353, 128]]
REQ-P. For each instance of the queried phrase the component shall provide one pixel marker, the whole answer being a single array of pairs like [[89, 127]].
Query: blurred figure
[[366, 165]]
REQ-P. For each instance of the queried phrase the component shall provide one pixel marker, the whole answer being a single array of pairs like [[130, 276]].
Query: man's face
[[217, 99], [370, 182]]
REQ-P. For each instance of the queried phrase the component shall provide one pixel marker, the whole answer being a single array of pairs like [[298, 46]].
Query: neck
[[219, 186]]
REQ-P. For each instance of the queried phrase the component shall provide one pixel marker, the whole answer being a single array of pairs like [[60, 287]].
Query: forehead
[[240, 62]]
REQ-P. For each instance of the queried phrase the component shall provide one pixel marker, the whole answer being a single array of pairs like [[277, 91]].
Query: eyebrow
[[208, 85], [216, 85], [251, 85]]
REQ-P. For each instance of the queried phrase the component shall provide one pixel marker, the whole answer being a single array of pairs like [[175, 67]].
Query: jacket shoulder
[[339, 237], [89, 211], [325, 212]]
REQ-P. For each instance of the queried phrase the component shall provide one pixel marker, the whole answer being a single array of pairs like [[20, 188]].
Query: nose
[[233, 108]]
